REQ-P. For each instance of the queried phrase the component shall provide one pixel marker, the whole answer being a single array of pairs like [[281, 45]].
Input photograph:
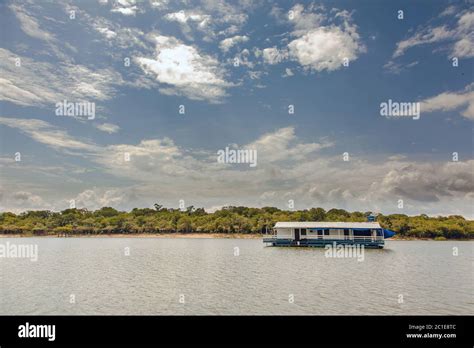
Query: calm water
[[214, 281]]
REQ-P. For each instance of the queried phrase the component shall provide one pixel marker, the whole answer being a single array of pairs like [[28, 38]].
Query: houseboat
[[318, 234]]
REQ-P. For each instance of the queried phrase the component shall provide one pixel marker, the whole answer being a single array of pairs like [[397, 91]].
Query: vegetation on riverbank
[[232, 220]]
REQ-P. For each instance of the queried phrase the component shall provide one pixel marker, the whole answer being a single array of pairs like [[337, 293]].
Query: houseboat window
[[303, 231], [346, 231], [326, 232], [360, 232]]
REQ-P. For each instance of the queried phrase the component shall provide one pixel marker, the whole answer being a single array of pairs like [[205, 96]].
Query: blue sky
[[333, 62]]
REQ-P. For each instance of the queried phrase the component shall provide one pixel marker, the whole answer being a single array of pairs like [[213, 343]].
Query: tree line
[[230, 219]]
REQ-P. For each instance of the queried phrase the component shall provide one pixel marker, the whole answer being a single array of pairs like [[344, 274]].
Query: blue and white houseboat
[[319, 234]]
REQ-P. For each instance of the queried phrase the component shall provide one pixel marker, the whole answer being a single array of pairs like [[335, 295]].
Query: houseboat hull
[[321, 243]]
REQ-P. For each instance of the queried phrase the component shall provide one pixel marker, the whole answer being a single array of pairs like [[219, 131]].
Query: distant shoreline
[[227, 222], [191, 236]]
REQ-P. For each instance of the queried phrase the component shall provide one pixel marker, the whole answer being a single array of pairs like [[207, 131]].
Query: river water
[[154, 276]]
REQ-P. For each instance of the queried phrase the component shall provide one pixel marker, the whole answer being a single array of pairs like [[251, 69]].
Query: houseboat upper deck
[[319, 234]]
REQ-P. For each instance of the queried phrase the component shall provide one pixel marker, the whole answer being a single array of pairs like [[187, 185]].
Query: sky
[[300, 84]]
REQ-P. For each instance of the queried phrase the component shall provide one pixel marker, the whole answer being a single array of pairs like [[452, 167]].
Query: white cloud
[[125, 7], [159, 4], [450, 10], [211, 19], [448, 101], [124, 38], [184, 17], [288, 73], [273, 55], [27, 198], [466, 23], [28, 15], [226, 44], [463, 48], [109, 34], [319, 43], [126, 11], [43, 132], [287, 169], [18, 201], [460, 36], [426, 36], [149, 160], [306, 19], [243, 59], [44, 84], [97, 198], [181, 69], [325, 48], [29, 24], [282, 145], [108, 127], [396, 68], [116, 35], [226, 13], [161, 168], [427, 182], [191, 21]]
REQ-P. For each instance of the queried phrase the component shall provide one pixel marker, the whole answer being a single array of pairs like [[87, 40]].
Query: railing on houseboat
[[332, 238]]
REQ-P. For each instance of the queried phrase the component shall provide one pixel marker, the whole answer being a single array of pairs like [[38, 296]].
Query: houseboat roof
[[326, 224]]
